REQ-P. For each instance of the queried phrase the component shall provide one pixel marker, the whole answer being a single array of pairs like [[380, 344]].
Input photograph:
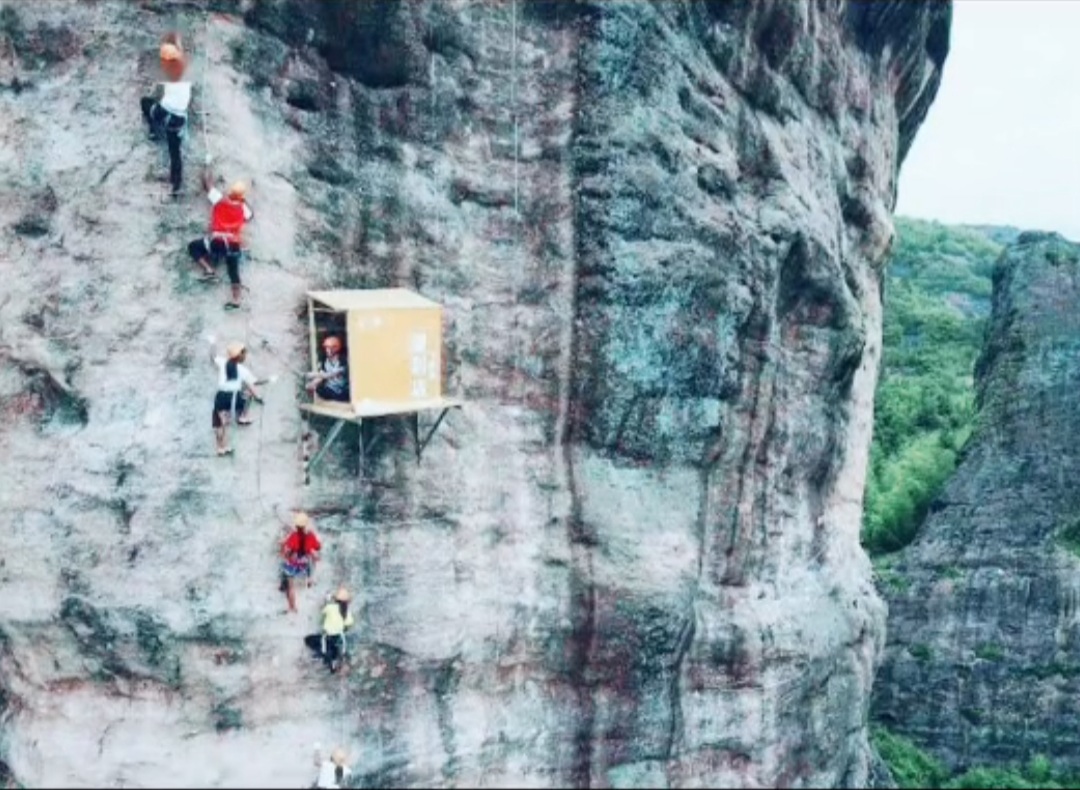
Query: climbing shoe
[[232, 306], [205, 277]]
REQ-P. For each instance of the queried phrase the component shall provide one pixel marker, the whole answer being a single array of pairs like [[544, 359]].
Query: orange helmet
[[172, 61], [332, 343], [170, 51]]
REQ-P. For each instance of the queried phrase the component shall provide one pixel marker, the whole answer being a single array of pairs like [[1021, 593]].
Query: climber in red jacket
[[225, 240], [299, 553]]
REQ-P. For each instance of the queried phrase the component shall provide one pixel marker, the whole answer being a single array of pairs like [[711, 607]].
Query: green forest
[[913, 768], [936, 302]]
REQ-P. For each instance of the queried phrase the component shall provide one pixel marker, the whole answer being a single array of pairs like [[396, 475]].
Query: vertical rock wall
[[632, 559]]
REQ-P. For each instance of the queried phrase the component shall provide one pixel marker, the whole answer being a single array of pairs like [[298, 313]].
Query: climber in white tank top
[[175, 97], [167, 109]]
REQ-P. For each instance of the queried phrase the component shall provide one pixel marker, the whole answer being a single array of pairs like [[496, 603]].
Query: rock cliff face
[[982, 662], [631, 559]]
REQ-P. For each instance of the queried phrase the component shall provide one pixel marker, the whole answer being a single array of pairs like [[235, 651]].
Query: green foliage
[[912, 767], [893, 580], [1040, 768], [937, 296], [989, 652], [999, 778], [952, 573], [888, 577], [1069, 535], [899, 495], [920, 652]]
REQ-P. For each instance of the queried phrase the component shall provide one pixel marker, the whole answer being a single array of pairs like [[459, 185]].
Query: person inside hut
[[331, 381]]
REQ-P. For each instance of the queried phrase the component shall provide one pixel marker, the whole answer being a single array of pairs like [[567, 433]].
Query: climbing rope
[[258, 452], [520, 268], [513, 99], [204, 94], [522, 280], [266, 345]]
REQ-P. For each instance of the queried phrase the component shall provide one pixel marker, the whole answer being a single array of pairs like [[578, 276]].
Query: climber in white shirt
[[236, 385], [167, 109], [333, 773]]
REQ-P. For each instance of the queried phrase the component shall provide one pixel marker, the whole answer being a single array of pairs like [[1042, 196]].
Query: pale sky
[[1001, 143]]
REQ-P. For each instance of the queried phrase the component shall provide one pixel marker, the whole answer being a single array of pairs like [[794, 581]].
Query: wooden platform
[[369, 408], [357, 413]]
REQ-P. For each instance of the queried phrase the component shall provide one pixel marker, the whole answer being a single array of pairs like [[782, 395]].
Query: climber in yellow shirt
[[336, 619]]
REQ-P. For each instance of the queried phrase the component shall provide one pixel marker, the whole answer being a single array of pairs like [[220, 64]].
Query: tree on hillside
[[936, 300]]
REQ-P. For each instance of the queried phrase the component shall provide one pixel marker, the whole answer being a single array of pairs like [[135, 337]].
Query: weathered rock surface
[[982, 663], [632, 559]]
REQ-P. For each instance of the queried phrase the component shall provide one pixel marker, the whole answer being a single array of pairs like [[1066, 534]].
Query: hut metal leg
[[420, 445], [330, 437], [368, 440]]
